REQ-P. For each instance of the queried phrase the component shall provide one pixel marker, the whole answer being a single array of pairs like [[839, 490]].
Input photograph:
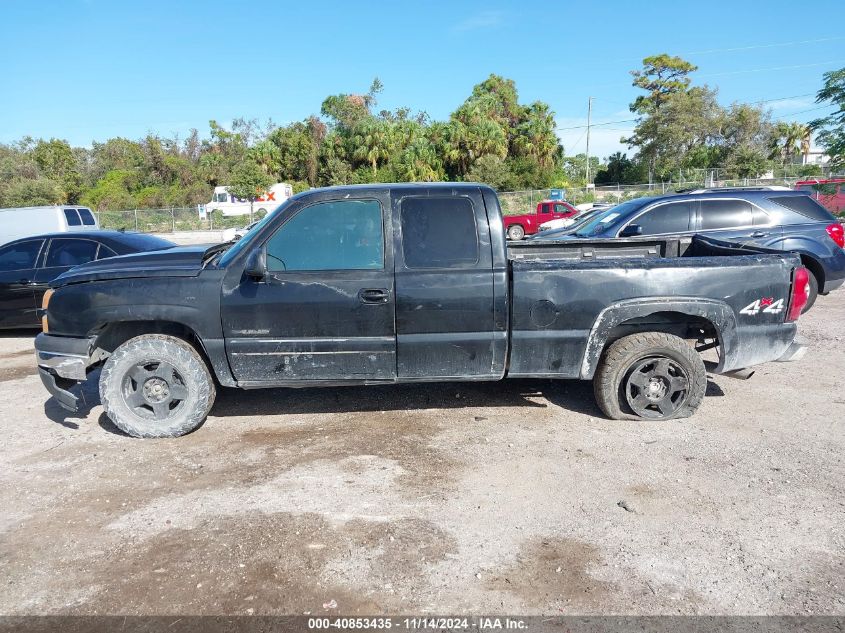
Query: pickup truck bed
[[400, 283], [654, 282]]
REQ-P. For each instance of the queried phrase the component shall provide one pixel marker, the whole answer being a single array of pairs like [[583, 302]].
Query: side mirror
[[632, 230], [256, 264]]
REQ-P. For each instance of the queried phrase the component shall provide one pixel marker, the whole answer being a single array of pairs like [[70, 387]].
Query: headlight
[[44, 303]]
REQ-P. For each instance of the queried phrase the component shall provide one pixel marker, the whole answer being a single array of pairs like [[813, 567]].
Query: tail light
[[837, 234], [800, 294]]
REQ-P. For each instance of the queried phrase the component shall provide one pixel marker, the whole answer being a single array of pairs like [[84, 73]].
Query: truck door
[[325, 309], [444, 285]]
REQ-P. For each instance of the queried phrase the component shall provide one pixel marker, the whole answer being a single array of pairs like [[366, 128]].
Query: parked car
[[830, 193], [21, 222], [28, 266], [518, 226], [782, 219], [569, 222], [235, 234], [320, 293]]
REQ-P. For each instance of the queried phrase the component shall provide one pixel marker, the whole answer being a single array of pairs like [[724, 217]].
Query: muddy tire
[[156, 386], [650, 375], [812, 292], [516, 232]]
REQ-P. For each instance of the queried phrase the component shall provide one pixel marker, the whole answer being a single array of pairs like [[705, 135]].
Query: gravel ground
[[514, 497]]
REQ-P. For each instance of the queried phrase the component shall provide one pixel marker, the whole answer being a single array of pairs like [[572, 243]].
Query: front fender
[[716, 312]]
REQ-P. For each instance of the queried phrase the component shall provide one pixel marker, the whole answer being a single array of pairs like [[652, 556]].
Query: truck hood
[[180, 261]]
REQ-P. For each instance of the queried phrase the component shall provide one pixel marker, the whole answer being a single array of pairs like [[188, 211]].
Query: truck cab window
[[438, 232], [332, 235]]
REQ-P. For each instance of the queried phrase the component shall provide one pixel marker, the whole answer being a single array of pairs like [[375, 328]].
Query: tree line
[[491, 137]]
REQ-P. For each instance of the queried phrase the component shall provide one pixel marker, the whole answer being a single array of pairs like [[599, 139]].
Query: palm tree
[[419, 162], [373, 144]]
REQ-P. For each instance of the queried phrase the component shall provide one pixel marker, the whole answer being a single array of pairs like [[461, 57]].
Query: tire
[[156, 386], [650, 375], [813, 293], [516, 232]]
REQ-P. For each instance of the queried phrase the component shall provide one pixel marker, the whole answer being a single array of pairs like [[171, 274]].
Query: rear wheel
[[156, 386], [650, 375], [516, 232], [812, 292]]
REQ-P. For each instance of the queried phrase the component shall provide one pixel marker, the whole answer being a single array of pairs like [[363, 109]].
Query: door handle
[[374, 295], [759, 234]]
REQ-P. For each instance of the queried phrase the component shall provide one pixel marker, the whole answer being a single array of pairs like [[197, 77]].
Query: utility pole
[[589, 115]]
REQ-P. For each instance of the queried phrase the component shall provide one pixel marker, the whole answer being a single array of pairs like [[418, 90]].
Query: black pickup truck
[[397, 283]]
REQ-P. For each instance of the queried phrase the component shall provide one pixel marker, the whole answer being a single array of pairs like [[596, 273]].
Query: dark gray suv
[[780, 219]]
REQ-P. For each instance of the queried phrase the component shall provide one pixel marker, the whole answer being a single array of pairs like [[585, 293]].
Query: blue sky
[[88, 70]]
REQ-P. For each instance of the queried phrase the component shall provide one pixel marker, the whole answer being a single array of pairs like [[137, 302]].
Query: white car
[[560, 223], [229, 235]]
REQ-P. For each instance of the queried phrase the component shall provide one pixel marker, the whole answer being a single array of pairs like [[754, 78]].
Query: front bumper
[[62, 362]]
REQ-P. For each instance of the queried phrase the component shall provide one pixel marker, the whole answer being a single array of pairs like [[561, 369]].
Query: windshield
[[236, 248], [606, 218]]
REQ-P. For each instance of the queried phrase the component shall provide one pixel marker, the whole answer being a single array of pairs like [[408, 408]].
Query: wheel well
[[113, 335], [814, 267], [686, 326]]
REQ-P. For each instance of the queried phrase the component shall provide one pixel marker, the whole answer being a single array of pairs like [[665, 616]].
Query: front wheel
[[650, 375], [156, 386], [515, 232]]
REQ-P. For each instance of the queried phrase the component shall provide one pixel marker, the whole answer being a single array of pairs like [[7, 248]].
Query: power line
[[580, 127], [808, 94], [760, 70], [756, 46]]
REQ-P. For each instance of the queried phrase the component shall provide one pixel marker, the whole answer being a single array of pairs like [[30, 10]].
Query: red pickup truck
[[518, 226]]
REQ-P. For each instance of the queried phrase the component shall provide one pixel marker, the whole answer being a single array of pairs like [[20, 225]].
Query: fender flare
[[717, 312]]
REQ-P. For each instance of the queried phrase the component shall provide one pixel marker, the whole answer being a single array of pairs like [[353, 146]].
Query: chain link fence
[[180, 219], [170, 220]]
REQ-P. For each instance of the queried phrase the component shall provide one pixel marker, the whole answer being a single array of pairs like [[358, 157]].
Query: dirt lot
[[511, 498]]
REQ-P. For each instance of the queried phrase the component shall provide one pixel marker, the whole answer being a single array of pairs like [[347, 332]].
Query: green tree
[[661, 75], [248, 182], [29, 192], [830, 130], [744, 141], [56, 159]]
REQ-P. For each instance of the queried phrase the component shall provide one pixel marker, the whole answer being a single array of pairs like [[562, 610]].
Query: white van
[[28, 221], [230, 205]]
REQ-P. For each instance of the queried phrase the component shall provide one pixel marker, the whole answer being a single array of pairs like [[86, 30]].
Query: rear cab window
[[805, 206], [438, 232]]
